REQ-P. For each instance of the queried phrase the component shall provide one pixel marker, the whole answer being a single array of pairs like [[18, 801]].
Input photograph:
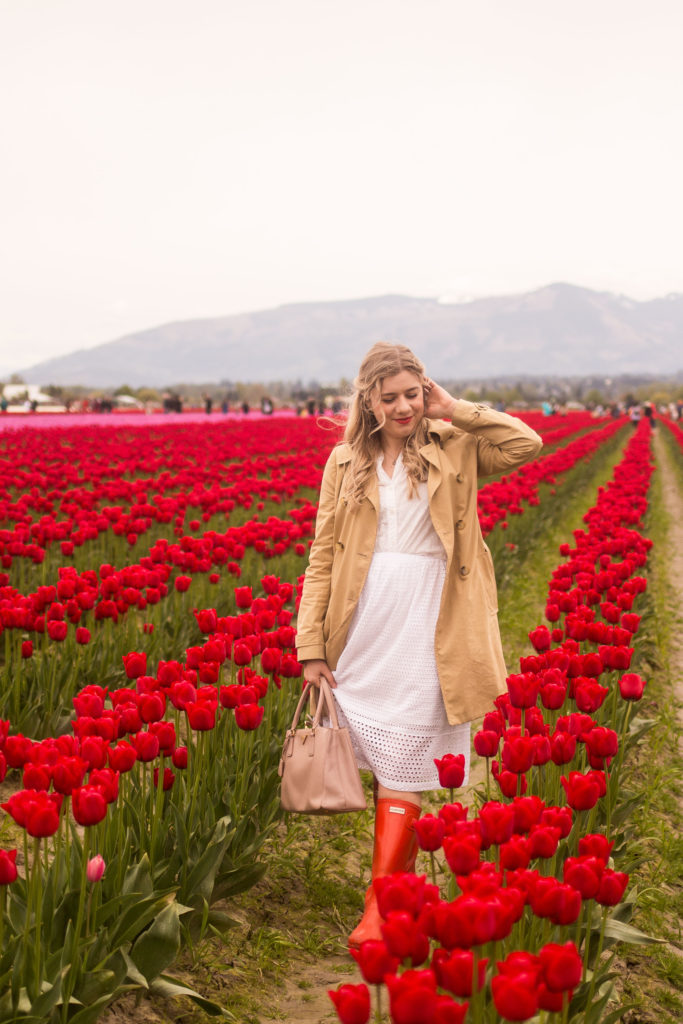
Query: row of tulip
[[72, 487], [506, 496], [49, 627], [190, 826], [533, 891], [150, 809]]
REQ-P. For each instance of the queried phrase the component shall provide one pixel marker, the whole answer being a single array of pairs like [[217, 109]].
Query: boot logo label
[[397, 810]]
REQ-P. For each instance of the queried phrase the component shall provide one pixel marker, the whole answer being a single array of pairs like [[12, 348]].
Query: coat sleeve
[[503, 441], [316, 590]]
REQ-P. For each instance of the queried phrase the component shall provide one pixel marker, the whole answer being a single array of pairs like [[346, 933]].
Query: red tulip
[[561, 966], [430, 832], [583, 791], [451, 769], [249, 716], [352, 1003], [89, 805], [8, 867], [135, 664], [374, 961], [454, 970], [412, 996], [611, 888], [631, 686]]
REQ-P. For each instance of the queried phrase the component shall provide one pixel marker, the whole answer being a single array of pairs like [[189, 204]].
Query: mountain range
[[560, 329]]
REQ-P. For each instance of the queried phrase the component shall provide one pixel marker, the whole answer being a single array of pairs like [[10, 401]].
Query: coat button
[[459, 477], [339, 546], [464, 571], [460, 525]]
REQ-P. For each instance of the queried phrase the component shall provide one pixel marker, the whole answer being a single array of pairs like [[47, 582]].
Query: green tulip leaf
[[168, 987], [159, 945], [623, 932]]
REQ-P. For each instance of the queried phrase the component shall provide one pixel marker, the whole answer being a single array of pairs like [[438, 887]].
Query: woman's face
[[401, 404]]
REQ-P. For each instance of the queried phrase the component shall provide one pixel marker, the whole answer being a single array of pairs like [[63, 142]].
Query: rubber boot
[[395, 849]]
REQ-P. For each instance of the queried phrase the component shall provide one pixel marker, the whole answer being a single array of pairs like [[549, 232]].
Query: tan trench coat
[[468, 650]]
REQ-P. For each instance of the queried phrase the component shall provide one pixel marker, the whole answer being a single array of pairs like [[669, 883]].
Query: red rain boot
[[395, 849]]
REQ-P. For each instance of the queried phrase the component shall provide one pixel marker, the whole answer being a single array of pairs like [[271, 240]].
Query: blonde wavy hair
[[362, 433]]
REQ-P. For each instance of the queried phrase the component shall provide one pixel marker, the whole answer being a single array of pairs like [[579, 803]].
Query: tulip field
[[149, 575]]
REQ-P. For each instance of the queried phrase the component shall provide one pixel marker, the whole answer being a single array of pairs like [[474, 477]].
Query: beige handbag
[[318, 767]]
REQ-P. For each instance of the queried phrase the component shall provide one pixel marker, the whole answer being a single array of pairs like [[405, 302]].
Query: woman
[[398, 610]]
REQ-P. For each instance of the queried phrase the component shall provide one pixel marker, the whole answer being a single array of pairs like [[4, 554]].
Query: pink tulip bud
[[95, 868]]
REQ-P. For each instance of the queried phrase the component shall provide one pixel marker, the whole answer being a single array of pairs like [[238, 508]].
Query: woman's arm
[[315, 597], [503, 441]]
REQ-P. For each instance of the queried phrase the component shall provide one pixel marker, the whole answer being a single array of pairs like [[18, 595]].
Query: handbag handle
[[327, 698]]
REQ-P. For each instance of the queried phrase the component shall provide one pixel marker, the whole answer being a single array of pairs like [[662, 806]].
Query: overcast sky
[[168, 159]]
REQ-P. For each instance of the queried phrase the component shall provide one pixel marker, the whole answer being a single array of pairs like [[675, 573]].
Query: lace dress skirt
[[388, 691]]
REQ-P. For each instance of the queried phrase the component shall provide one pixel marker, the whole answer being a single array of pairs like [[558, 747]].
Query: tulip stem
[[35, 885], [378, 1008], [70, 980], [601, 940]]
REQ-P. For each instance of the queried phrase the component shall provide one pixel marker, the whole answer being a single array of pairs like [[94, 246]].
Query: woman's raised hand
[[439, 403], [317, 669]]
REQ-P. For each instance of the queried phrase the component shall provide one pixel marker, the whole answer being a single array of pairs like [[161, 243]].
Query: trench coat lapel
[[430, 453], [372, 493]]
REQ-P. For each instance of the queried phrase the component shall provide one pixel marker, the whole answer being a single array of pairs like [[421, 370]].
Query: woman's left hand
[[438, 403]]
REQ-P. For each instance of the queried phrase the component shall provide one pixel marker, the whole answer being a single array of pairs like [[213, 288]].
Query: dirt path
[[673, 502]]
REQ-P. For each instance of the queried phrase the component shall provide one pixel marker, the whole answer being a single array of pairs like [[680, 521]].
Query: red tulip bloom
[[540, 637], [543, 841], [146, 746], [451, 769], [631, 686], [514, 995], [182, 583], [57, 631], [454, 970], [89, 805], [583, 791], [374, 961], [611, 888], [518, 754], [596, 845], [486, 742], [448, 1011], [201, 715], [462, 853], [497, 822], [8, 867], [562, 747], [561, 966], [523, 689], [135, 664], [68, 773], [430, 832], [36, 811], [412, 996], [243, 597], [108, 781], [122, 757], [404, 939], [168, 779], [352, 1003], [249, 716], [179, 757], [207, 620], [583, 874]]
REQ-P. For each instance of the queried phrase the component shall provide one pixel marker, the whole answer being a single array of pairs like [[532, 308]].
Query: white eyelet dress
[[388, 689]]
